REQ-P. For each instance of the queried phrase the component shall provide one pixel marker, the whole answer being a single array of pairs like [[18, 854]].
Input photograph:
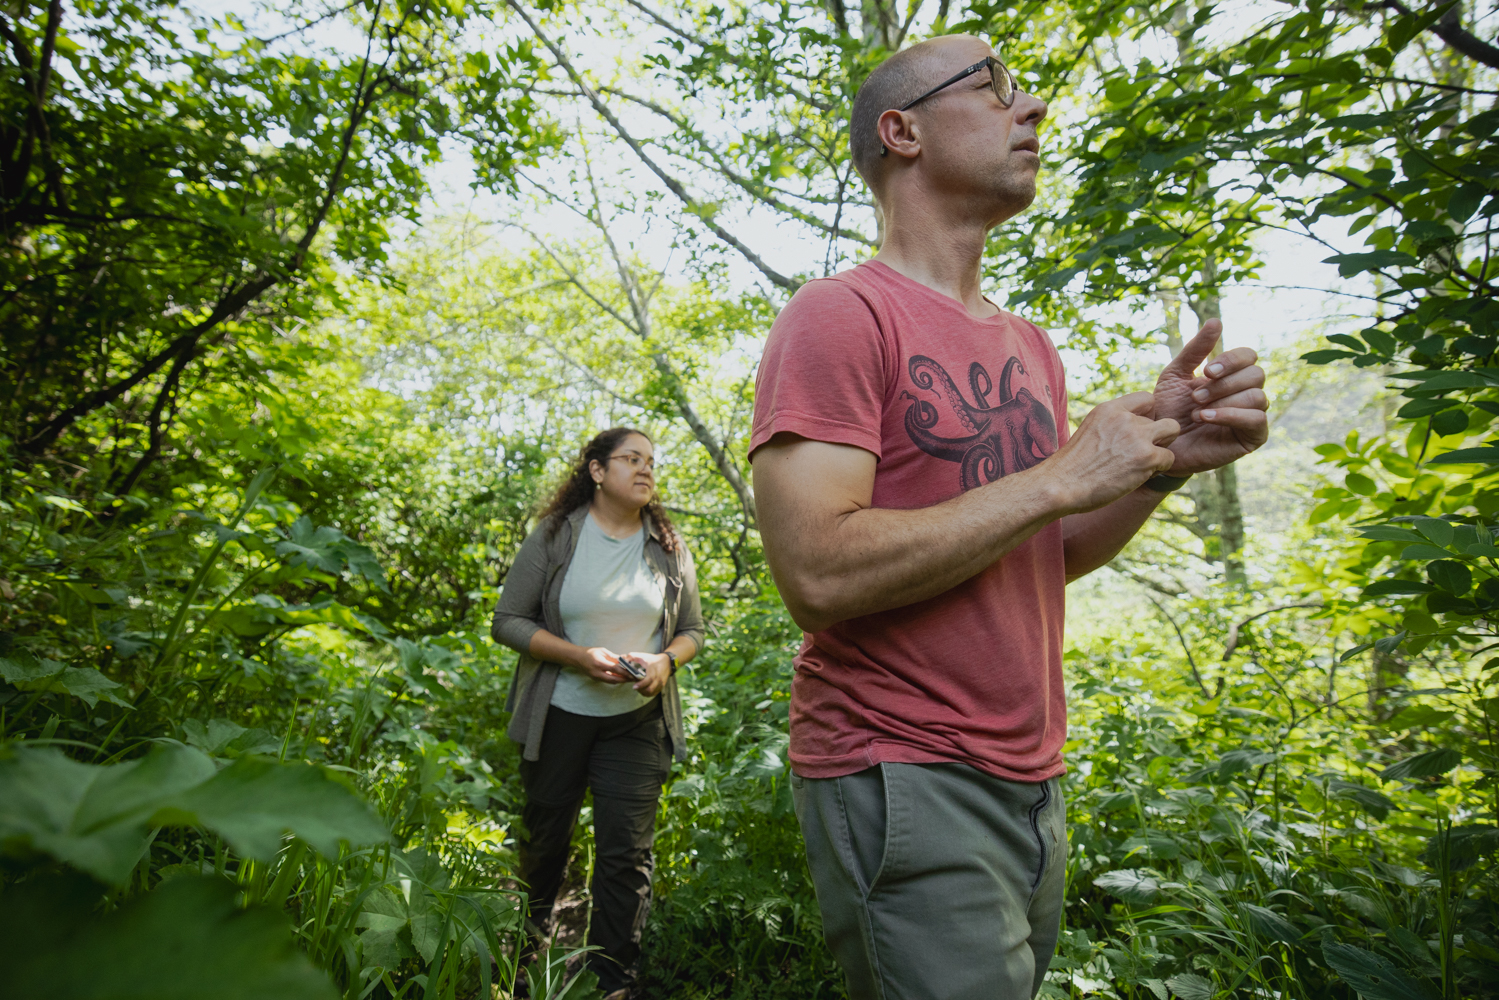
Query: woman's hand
[[602, 665], [657, 672]]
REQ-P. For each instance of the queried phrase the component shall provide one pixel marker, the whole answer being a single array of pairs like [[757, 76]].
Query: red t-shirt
[[946, 402]]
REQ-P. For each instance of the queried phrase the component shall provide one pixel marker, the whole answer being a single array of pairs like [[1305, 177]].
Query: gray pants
[[936, 881]]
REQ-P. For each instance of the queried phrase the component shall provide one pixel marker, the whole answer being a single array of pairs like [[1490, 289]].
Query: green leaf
[[1130, 884], [1389, 588], [1436, 529], [1451, 575], [1390, 643], [313, 547], [1465, 846], [1413, 716], [1350, 264], [1447, 381], [1390, 533], [1465, 201], [1371, 801], [1487, 455], [1269, 924], [98, 817], [221, 738], [84, 683], [92, 817], [1424, 552], [255, 802], [1418, 408], [185, 941], [1449, 422], [1423, 765], [1190, 986], [1372, 976], [1358, 483], [1325, 356]]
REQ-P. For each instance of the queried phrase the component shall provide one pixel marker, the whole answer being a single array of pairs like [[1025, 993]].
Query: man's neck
[[940, 250]]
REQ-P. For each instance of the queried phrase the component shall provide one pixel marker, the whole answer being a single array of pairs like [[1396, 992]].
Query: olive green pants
[[936, 881]]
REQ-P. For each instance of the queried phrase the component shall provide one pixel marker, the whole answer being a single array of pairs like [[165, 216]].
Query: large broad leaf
[[185, 941], [1464, 844], [254, 803], [1373, 976], [222, 738], [1189, 986], [1269, 924], [1423, 765], [94, 818], [98, 818], [330, 550], [1130, 884], [1373, 802], [84, 683], [313, 547]]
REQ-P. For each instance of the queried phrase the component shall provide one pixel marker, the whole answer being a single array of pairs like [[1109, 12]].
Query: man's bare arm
[[835, 557], [1090, 540]]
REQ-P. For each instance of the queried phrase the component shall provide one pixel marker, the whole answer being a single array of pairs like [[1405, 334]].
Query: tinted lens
[[1004, 84]]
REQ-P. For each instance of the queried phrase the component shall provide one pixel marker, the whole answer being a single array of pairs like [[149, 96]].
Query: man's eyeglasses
[[1000, 78]]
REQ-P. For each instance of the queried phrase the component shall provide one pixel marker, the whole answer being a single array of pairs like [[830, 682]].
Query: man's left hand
[[1221, 411]]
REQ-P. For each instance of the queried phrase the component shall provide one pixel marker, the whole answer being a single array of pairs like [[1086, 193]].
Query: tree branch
[[1449, 28], [671, 183], [1233, 631], [755, 189], [1185, 648]]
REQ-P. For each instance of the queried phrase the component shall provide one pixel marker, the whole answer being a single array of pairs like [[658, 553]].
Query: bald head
[[898, 80]]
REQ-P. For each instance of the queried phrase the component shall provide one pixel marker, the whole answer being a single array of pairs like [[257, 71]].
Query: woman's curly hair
[[578, 488]]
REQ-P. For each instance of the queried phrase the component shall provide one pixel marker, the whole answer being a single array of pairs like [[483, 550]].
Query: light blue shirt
[[609, 598]]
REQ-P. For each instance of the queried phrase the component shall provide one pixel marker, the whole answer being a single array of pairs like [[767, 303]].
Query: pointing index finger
[[1197, 349]]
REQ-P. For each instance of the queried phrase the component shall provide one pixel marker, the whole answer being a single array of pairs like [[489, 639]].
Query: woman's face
[[629, 477]]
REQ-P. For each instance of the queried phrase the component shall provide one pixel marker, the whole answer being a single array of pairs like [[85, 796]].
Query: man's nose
[[1029, 109]]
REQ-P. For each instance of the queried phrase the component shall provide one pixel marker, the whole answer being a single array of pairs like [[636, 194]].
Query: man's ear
[[898, 135]]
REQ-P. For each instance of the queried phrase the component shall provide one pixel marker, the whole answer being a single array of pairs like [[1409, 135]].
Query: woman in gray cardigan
[[602, 605]]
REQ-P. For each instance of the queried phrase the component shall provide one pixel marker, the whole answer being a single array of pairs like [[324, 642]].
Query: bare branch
[[672, 184], [1233, 631], [754, 188], [720, 48], [1185, 648]]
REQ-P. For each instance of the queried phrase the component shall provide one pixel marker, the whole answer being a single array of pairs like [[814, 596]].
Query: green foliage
[[186, 939], [261, 486]]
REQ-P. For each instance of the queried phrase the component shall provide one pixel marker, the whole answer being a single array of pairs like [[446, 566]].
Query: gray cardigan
[[529, 602]]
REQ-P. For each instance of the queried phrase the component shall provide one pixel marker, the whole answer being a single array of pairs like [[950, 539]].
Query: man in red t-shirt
[[923, 507]]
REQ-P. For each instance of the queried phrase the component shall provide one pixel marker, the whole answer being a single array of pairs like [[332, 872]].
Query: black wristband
[[1162, 483], [673, 658]]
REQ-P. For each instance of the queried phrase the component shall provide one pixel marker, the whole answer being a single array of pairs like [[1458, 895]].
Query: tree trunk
[[1217, 518], [1223, 482]]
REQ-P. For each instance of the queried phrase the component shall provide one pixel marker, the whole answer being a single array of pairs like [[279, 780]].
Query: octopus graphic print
[[1014, 433]]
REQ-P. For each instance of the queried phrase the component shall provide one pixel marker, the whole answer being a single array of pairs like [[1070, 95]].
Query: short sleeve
[[823, 374]]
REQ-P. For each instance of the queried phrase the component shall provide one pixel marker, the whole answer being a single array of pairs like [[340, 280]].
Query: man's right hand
[[1113, 452], [602, 665]]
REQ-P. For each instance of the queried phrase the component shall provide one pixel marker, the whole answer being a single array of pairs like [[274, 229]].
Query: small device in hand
[[633, 669]]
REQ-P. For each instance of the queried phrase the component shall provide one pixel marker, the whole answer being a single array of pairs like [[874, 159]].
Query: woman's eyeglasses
[[634, 460]]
